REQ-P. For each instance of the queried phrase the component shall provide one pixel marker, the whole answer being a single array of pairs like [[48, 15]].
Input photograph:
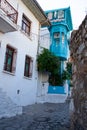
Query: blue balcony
[[60, 50]]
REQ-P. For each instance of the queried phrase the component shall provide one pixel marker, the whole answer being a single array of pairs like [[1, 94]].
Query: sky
[[78, 8]]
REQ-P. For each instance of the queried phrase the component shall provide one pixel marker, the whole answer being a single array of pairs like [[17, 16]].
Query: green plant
[[48, 62], [69, 67], [66, 75], [55, 80]]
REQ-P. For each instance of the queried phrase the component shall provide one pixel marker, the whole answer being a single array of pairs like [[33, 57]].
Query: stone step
[[52, 98]]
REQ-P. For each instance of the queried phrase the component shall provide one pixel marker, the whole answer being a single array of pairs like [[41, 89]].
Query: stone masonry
[[7, 107], [78, 49]]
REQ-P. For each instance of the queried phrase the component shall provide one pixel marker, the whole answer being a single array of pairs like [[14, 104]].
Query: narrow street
[[47, 116]]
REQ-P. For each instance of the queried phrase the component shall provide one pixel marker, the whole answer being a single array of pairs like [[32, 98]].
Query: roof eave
[[38, 12]]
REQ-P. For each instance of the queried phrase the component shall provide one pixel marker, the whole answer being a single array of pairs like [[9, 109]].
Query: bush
[[48, 62]]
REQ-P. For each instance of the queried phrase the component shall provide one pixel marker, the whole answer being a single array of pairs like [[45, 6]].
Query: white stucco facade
[[17, 88]]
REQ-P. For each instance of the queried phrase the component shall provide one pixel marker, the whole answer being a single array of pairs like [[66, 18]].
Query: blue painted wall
[[61, 25], [56, 90], [59, 44]]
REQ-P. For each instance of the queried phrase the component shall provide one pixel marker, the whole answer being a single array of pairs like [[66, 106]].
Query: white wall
[[42, 91], [24, 45], [42, 86], [44, 40]]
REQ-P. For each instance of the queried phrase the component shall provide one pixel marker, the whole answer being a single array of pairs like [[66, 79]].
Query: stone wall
[[78, 49]]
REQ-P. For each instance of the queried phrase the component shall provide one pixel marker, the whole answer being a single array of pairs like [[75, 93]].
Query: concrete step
[[52, 98]]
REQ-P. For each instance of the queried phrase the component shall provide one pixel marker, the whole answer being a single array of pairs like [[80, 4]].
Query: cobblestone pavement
[[47, 116]]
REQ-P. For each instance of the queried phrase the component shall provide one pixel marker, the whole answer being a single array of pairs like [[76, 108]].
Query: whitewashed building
[[20, 22]]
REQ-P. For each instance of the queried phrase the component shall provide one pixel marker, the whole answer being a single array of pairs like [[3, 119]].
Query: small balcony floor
[[6, 25]]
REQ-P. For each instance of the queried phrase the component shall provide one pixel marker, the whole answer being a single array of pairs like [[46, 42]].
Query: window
[[10, 59], [28, 66], [50, 15], [60, 14], [63, 37], [26, 25], [57, 37], [55, 14]]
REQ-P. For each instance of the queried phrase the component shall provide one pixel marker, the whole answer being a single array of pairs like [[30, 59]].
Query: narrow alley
[[47, 116]]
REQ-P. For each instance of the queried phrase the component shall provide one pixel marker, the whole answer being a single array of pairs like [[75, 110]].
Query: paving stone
[[45, 116], [9, 128]]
